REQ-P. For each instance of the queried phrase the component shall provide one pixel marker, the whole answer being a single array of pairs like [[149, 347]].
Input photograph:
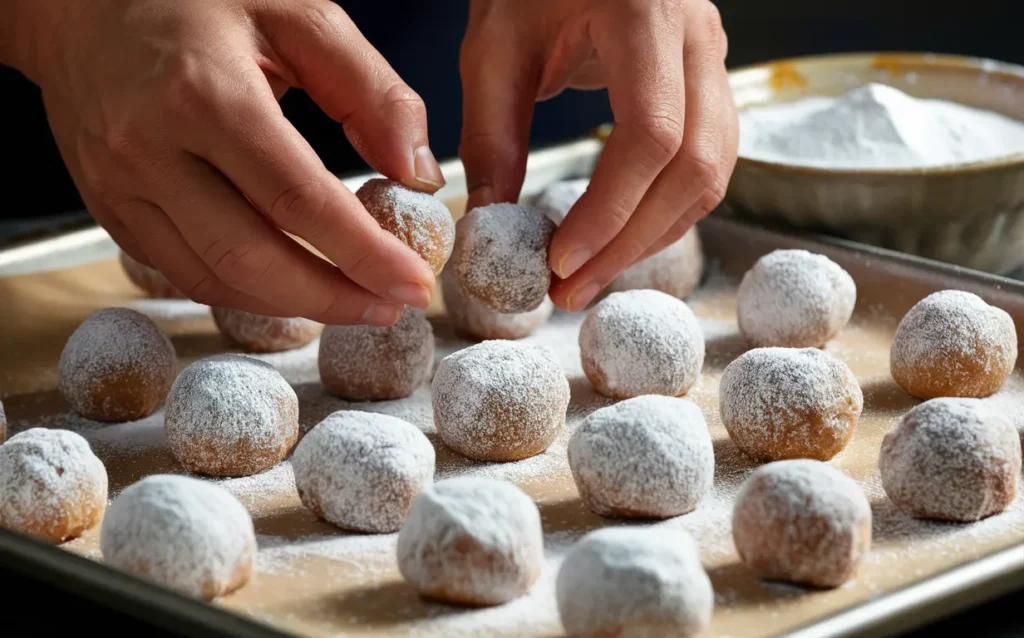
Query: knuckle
[[358, 265], [186, 89], [301, 208], [663, 135], [207, 291], [236, 264], [712, 180], [319, 19], [714, 31], [402, 98]]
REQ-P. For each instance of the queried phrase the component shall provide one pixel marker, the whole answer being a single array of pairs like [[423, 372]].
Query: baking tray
[[312, 579]]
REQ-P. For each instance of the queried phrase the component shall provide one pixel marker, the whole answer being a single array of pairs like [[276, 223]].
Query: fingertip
[[427, 176]]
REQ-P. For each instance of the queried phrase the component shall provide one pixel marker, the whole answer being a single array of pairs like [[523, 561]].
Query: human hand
[[166, 114], [670, 153]]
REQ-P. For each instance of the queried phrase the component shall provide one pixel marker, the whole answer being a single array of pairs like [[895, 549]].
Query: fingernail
[[583, 295], [572, 262], [416, 295], [426, 168], [382, 314]]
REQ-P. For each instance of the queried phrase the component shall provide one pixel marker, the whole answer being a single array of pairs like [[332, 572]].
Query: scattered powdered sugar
[[557, 200], [794, 298], [257, 490], [477, 320], [361, 554], [876, 126], [420, 220]]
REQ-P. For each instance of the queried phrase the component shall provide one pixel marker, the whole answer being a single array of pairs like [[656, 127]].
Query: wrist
[[25, 25]]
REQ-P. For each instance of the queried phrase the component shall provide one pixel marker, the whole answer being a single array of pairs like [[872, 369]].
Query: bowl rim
[[986, 65]]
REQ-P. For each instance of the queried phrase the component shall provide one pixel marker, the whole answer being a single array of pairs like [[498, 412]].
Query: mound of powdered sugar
[[420, 220]]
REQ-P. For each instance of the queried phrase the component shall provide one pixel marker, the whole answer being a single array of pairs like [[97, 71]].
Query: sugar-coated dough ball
[[675, 270], [795, 299], [786, 403], [802, 521], [3, 423], [362, 471], [641, 342], [951, 459], [557, 199], [472, 541], [182, 533], [258, 333], [116, 366], [620, 582], [953, 344], [420, 220], [500, 400], [151, 280], [363, 363], [52, 486], [648, 457], [475, 320], [501, 256], [231, 415]]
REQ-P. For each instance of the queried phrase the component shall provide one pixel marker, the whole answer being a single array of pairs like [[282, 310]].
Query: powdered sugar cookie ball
[[231, 415], [648, 457], [476, 320], [375, 363], [786, 403], [953, 344], [794, 298], [629, 581], [116, 366], [641, 342], [420, 220], [557, 200], [257, 333], [500, 400], [151, 280], [52, 486], [182, 533], [472, 541], [951, 459], [361, 471], [501, 256], [676, 270], [802, 521]]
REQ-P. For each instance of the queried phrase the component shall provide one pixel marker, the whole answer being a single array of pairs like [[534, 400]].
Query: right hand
[[166, 114]]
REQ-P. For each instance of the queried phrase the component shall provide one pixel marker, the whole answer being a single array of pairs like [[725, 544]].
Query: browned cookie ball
[[151, 280], [420, 220], [257, 333], [475, 320], [117, 366]]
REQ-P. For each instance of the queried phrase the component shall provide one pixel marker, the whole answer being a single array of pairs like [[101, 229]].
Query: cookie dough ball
[[648, 457], [795, 299], [182, 533], [501, 256], [52, 486], [951, 459], [641, 342], [629, 581], [420, 220], [802, 521], [476, 320], [787, 403], [373, 363], [361, 471], [3, 423], [257, 333], [116, 366], [231, 415], [557, 200], [676, 270], [500, 400], [472, 541], [953, 344], [151, 280]]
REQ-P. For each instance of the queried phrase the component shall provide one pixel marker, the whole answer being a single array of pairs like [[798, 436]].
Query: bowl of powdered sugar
[[919, 153]]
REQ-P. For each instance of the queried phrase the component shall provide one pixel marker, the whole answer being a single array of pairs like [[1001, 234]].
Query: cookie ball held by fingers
[[363, 363], [116, 366], [802, 521], [150, 280], [794, 299], [641, 342], [475, 320], [52, 487], [951, 459], [675, 270], [953, 344], [257, 333], [362, 471], [420, 220], [189, 535], [501, 256], [472, 541], [631, 581], [786, 403], [648, 457], [231, 415], [500, 400]]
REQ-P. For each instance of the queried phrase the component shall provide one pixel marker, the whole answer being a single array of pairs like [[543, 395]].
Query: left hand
[[673, 147]]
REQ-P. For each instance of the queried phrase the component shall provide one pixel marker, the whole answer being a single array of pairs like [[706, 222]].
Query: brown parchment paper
[[328, 592]]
